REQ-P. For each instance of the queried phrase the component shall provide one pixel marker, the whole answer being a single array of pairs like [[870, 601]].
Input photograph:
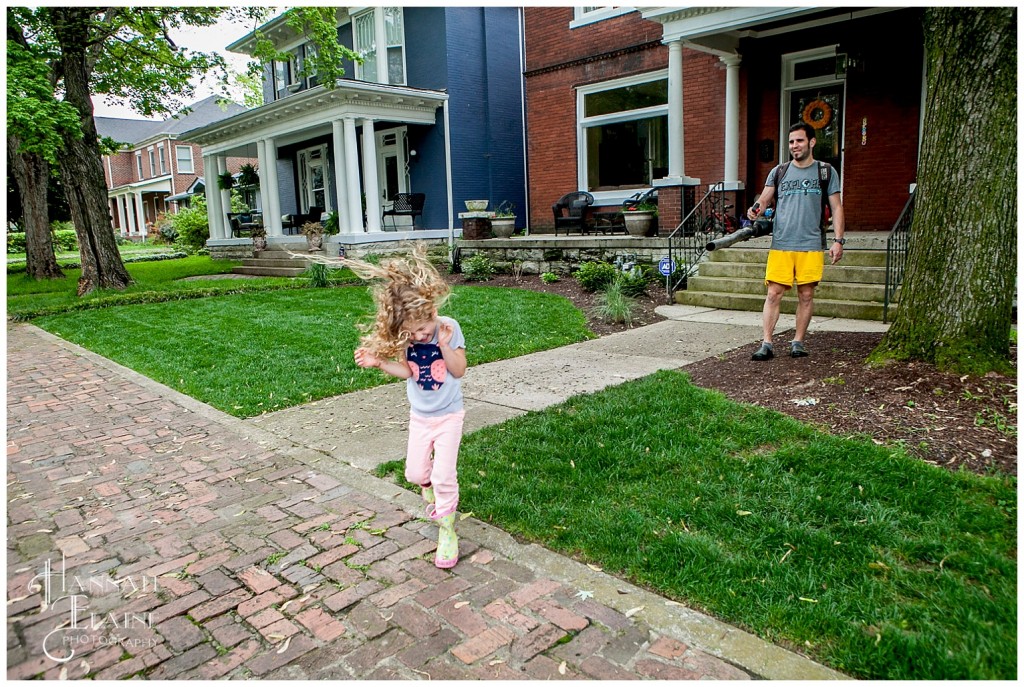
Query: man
[[798, 238]]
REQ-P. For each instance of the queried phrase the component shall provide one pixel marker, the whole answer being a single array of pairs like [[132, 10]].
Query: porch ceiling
[[310, 113]]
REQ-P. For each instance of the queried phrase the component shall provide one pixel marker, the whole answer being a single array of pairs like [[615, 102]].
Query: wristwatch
[[841, 242]]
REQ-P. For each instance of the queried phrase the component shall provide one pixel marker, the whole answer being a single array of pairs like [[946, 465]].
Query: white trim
[[191, 160], [581, 18], [788, 85]]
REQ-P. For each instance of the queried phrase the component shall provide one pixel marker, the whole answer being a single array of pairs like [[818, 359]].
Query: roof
[[131, 131]]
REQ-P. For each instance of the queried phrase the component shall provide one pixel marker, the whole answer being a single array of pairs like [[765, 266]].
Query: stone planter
[[315, 242], [259, 243], [503, 227], [638, 223]]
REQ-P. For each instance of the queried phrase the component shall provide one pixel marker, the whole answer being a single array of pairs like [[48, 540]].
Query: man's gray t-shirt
[[798, 208], [431, 389]]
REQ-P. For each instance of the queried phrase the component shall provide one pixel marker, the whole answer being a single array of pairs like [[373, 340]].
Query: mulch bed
[[956, 422]]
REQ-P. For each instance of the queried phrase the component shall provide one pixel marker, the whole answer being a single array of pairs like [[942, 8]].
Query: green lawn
[[251, 353], [874, 563]]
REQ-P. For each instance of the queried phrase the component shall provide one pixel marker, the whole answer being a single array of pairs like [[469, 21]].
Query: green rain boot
[[428, 493], [447, 542]]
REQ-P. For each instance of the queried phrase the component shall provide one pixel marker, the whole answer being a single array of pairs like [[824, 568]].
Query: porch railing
[[687, 243], [896, 247]]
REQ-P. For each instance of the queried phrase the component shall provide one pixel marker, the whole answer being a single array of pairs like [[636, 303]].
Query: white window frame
[[138, 164], [178, 160], [152, 161], [790, 84], [583, 123], [163, 159], [583, 16], [364, 51], [387, 48]]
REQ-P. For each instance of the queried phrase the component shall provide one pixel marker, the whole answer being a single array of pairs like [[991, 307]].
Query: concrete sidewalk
[[196, 545]]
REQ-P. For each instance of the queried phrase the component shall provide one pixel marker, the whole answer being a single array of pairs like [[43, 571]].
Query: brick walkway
[[194, 548]]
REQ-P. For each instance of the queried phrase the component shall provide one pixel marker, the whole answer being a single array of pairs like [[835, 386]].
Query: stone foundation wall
[[235, 252], [562, 259]]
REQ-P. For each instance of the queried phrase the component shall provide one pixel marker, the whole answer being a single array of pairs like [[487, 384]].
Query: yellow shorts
[[787, 266]]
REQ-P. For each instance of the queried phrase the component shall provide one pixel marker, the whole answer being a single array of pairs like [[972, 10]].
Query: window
[[163, 160], [152, 162], [138, 165], [365, 43], [280, 77], [624, 133], [589, 15], [183, 157]]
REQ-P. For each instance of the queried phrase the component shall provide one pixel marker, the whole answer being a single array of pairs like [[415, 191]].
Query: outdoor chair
[[295, 221], [404, 204], [571, 211]]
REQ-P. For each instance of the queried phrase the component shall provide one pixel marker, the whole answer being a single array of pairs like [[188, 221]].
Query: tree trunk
[[32, 174], [955, 309], [81, 164]]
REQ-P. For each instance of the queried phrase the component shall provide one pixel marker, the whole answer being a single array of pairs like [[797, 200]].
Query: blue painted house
[[436, 107]]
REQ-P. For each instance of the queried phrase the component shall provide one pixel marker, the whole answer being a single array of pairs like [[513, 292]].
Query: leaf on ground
[[284, 646], [743, 512], [804, 598], [583, 594], [460, 604], [633, 611], [465, 515], [595, 568], [561, 668]]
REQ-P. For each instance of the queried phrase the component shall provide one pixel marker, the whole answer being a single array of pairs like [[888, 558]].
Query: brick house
[[436, 107], [679, 98], [155, 169]]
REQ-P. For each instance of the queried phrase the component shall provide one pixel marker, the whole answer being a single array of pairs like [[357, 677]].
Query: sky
[[204, 38]]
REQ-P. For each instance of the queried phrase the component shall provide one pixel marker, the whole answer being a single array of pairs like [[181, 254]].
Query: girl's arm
[[395, 368], [454, 358]]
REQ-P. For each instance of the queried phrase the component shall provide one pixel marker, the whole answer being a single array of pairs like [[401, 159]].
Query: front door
[[393, 167], [814, 94]]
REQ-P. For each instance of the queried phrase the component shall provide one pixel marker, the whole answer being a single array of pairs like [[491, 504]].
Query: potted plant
[[259, 238], [314, 233], [248, 176], [639, 218], [332, 225], [503, 224], [225, 181]]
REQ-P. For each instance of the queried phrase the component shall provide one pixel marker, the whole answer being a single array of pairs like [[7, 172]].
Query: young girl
[[409, 340]]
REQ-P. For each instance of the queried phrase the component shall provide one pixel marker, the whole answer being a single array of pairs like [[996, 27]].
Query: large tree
[[956, 302]]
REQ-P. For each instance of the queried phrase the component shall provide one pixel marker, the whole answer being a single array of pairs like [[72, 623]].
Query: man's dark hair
[[805, 127]]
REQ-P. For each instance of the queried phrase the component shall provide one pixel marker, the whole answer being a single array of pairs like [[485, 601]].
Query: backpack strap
[[780, 173]]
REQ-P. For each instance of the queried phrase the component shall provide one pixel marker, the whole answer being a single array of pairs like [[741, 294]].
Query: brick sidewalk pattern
[[178, 548]]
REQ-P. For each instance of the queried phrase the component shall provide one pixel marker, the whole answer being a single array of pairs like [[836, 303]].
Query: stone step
[[852, 257], [269, 271], [823, 307], [264, 261], [827, 289], [753, 270]]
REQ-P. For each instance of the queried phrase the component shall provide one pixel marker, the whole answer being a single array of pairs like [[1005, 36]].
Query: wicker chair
[[407, 204], [571, 211]]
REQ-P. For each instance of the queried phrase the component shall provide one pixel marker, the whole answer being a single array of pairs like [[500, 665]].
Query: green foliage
[[332, 225], [613, 305], [191, 224], [248, 176], [225, 181], [505, 209], [318, 274], [64, 240], [634, 283], [594, 276], [478, 268], [319, 25], [549, 277]]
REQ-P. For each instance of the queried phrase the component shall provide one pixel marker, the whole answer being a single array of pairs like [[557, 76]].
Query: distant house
[[436, 107], [621, 100], [156, 169]]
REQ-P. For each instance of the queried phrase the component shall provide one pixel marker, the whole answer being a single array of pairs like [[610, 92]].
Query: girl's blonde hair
[[406, 289]]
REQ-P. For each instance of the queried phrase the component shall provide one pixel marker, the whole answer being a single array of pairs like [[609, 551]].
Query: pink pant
[[440, 436]]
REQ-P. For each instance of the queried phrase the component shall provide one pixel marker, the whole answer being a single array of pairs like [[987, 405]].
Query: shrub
[[613, 305], [478, 268], [64, 240], [634, 283], [318, 274], [16, 242], [594, 276], [549, 277], [192, 225]]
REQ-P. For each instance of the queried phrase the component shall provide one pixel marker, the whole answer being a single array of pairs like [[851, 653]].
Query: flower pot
[[638, 223], [259, 243], [315, 242], [503, 227]]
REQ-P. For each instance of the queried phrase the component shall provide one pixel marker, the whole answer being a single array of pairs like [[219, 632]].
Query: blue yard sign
[[666, 266]]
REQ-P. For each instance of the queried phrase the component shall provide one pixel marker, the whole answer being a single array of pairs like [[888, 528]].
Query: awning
[[180, 196]]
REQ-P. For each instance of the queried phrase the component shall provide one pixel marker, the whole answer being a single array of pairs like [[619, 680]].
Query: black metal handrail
[[687, 244], [896, 247]]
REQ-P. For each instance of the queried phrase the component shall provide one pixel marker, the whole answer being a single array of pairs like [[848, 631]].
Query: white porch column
[[732, 121], [213, 207], [355, 204], [272, 214], [261, 160], [122, 222], [140, 214], [340, 174], [370, 186], [225, 201], [381, 47], [676, 163]]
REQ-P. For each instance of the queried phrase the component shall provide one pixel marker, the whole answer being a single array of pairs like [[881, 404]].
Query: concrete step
[[269, 271], [852, 257], [823, 307], [263, 261], [828, 289], [752, 270]]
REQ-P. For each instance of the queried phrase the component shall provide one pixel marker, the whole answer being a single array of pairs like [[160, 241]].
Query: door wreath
[[818, 113]]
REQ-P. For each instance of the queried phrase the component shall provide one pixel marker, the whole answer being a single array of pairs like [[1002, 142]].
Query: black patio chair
[[571, 211], [404, 204]]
